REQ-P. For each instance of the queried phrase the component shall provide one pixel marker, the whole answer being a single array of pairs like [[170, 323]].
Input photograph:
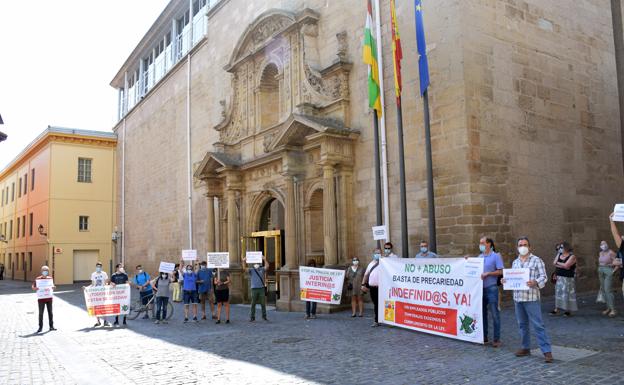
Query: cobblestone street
[[288, 349]]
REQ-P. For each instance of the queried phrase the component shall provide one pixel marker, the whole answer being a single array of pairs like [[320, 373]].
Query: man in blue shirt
[[258, 286], [204, 288], [492, 269], [425, 252], [142, 282], [189, 292]]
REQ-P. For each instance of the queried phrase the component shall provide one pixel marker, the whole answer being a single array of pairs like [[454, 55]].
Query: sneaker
[[554, 312], [203, 318], [164, 322], [124, 322], [548, 357], [353, 315], [567, 314], [252, 320], [38, 331], [265, 318], [496, 344], [146, 316], [106, 323], [313, 316], [98, 324], [218, 321], [523, 353], [214, 317], [157, 322], [227, 321], [486, 342], [605, 312], [375, 324], [306, 317], [612, 313], [116, 323], [52, 328], [195, 319], [185, 320]]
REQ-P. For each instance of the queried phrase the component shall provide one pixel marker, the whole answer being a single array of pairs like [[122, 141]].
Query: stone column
[[329, 215], [290, 226], [232, 226], [210, 225]]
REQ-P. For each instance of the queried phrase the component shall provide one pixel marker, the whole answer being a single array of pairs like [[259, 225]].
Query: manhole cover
[[562, 353], [288, 340]]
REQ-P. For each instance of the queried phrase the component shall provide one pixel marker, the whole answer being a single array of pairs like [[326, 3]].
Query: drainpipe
[[188, 150]]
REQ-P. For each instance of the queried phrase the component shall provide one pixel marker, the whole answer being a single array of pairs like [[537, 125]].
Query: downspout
[[188, 150], [123, 195]]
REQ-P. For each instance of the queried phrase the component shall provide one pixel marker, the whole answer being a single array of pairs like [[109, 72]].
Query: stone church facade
[[525, 131]]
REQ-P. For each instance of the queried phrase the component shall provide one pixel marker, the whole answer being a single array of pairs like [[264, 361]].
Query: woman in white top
[[371, 281]]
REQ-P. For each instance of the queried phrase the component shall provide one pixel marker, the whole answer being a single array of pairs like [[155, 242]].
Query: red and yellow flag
[[397, 52]]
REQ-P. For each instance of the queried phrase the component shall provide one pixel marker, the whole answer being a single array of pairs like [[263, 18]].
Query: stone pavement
[[289, 350]]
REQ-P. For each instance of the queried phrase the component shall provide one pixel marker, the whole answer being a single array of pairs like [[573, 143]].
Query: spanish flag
[[370, 58], [397, 52]]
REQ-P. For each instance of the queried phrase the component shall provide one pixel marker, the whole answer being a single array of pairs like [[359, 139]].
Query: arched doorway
[[272, 216]]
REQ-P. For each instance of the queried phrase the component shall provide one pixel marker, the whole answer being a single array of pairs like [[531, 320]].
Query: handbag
[[266, 289], [553, 277], [601, 297]]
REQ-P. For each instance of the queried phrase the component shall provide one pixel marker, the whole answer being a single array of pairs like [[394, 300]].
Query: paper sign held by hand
[[218, 260], [380, 232], [189, 255], [516, 279], [618, 212], [166, 267], [253, 257]]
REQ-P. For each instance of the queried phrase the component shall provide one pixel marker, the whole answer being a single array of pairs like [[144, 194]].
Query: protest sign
[[166, 267], [439, 296], [218, 260], [618, 213], [253, 256], [189, 255], [380, 232], [44, 283], [320, 285], [516, 279], [107, 300], [45, 292]]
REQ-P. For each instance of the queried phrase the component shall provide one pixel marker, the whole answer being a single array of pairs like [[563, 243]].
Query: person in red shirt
[[44, 302]]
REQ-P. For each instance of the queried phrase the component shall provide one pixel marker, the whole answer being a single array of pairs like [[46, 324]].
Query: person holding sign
[[353, 277], [119, 277], [492, 269], [258, 288], [371, 282], [311, 305], [527, 302], [99, 278], [189, 292], [44, 281], [425, 252], [222, 293], [204, 279]]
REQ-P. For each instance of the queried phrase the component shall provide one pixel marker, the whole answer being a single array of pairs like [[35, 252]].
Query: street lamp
[[3, 238], [41, 231], [3, 136]]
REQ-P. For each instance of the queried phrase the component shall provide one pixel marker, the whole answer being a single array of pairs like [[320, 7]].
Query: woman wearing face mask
[[606, 259], [370, 282], [161, 285], [565, 290], [353, 277]]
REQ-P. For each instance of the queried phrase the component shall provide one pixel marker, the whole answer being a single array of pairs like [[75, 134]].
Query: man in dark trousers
[[44, 301], [119, 277]]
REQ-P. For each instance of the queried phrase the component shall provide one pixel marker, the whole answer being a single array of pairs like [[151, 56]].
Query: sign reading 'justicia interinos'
[[433, 295]]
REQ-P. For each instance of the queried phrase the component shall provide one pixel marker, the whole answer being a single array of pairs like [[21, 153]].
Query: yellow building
[[58, 206]]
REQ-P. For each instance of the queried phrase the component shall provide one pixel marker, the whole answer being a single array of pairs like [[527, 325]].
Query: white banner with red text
[[320, 285], [441, 296], [107, 300]]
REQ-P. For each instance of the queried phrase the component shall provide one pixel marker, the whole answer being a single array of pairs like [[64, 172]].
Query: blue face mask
[[376, 256], [44, 273], [423, 250], [482, 248], [98, 269]]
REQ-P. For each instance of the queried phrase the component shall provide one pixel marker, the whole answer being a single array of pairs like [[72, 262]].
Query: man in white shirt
[[99, 278], [370, 282]]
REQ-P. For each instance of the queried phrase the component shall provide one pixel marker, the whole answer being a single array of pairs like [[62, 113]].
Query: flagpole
[[404, 234], [377, 172], [430, 196]]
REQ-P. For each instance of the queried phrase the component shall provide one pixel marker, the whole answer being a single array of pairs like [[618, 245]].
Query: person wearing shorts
[[204, 288], [189, 292], [142, 282], [222, 293]]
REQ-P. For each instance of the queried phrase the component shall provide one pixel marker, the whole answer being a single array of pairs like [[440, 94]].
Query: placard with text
[[107, 300], [320, 285]]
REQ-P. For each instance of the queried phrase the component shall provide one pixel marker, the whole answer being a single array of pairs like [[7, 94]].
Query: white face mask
[[256, 266], [523, 250], [604, 247], [355, 263], [122, 270]]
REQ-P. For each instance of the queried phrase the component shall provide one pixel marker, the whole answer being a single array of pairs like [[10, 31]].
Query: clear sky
[[57, 58]]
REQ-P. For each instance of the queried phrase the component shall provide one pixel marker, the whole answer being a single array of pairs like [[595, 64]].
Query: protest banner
[[380, 232], [320, 285], [253, 257], [439, 296], [218, 260], [44, 283], [166, 267], [189, 255], [516, 279], [107, 300], [618, 213]]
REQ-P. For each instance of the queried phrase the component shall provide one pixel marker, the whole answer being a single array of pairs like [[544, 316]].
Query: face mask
[[122, 270], [355, 263], [163, 276], [482, 248], [140, 271], [523, 250], [387, 251], [203, 267], [561, 250], [604, 247], [189, 270], [423, 250], [256, 266], [376, 256], [98, 269], [44, 273]]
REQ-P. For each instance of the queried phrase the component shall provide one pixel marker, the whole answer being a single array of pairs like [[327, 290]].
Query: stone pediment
[[213, 162], [298, 127]]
